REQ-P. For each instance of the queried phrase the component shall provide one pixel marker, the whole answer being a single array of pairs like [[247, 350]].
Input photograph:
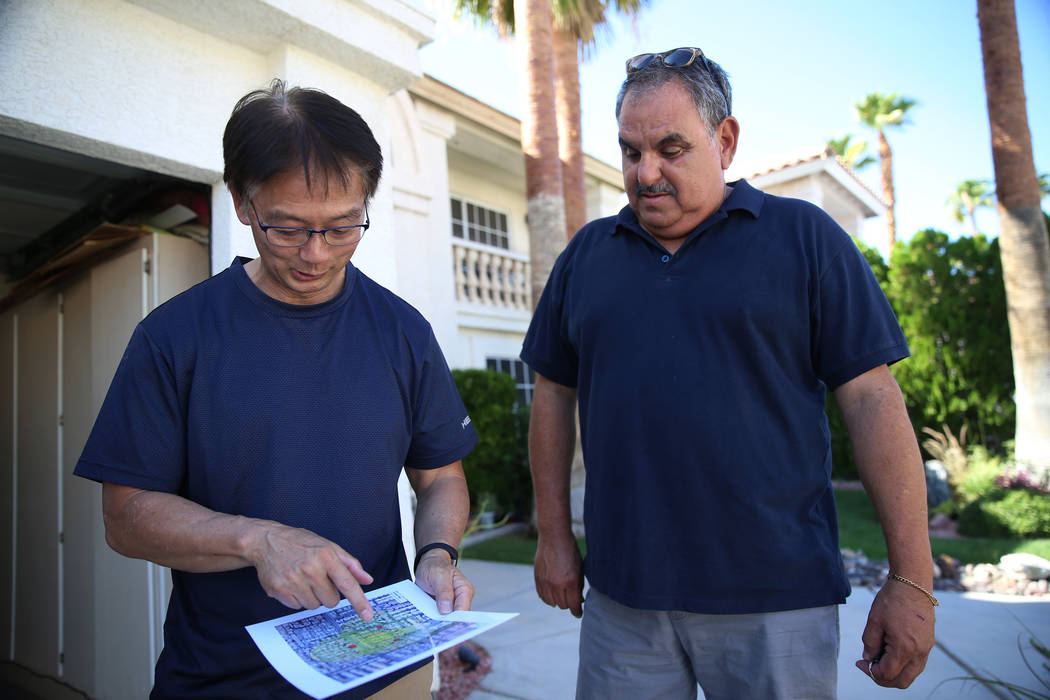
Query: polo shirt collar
[[743, 197]]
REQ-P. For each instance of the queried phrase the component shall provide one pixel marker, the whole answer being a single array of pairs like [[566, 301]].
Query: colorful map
[[343, 647], [328, 650]]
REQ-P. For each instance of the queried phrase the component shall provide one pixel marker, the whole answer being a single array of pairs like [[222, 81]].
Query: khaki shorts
[[414, 686], [630, 653]]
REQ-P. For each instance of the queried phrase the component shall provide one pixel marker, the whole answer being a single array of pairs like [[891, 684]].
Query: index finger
[[348, 580]]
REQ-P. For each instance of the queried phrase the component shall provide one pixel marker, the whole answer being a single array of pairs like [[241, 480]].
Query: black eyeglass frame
[[309, 231], [639, 62]]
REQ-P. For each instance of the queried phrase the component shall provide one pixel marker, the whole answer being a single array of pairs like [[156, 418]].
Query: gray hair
[[707, 85]]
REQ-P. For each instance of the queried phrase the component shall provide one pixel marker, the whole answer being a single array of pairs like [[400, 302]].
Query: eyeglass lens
[[679, 58], [297, 237]]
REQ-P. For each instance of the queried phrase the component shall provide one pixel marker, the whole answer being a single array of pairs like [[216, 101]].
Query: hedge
[[499, 465]]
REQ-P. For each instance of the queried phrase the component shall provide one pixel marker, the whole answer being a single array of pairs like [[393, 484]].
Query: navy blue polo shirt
[[301, 414], [701, 378]]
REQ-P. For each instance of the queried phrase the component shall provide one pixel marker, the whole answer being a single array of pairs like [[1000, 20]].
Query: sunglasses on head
[[682, 57], [675, 58]]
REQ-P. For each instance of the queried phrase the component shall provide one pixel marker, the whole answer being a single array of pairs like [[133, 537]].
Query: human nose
[[649, 170], [315, 248]]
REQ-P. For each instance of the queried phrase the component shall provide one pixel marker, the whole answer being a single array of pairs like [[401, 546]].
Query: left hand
[[899, 634], [445, 583]]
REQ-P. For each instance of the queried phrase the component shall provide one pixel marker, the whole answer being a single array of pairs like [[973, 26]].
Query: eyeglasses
[[675, 58], [295, 237], [682, 57]]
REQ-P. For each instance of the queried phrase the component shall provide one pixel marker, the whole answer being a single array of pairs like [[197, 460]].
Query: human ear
[[240, 206], [727, 136]]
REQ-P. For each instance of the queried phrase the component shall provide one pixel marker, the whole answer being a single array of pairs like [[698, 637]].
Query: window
[[476, 223], [520, 372]]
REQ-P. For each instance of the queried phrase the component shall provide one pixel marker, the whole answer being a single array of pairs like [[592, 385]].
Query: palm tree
[[1024, 247], [539, 141], [570, 127], [879, 111], [852, 155], [968, 195], [575, 25]]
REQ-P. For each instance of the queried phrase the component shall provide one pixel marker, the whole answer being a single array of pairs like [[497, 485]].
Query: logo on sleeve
[[465, 423]]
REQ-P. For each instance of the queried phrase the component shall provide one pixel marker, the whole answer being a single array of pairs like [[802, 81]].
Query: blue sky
[[797, 68]]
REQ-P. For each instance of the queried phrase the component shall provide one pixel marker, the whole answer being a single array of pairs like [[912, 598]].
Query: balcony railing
[[491, 277]]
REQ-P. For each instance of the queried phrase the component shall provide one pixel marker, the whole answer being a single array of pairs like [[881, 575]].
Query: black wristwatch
[[452, 552]]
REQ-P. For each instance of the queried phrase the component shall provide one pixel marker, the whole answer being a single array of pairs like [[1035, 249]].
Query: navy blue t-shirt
[[701, 379], [299, 414]]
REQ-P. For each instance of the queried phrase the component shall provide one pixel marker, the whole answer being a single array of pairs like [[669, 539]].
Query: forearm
[[552, 442], [172, 531], [890, 467], [442, 505]]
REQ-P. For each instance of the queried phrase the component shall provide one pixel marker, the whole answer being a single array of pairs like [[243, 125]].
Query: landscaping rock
[[459, 677], [951, 575], [937, 489], [947, 567], [1034, 567], [943, 526]]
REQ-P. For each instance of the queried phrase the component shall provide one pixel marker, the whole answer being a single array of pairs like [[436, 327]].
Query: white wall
[[152, 83], [421, 234], [476, 181], [603, 199]]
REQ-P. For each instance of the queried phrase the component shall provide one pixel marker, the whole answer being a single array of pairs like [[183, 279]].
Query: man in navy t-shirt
[[255, 429], [699, 330]]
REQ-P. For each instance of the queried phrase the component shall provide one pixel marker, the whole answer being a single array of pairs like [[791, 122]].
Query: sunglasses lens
[[639, 62], [679, 58]]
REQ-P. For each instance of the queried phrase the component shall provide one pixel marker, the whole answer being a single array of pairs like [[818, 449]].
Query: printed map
[[343, 647]]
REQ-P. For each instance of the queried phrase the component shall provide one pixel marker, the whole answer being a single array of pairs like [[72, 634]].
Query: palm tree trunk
[[570, 142], [1023, 241], [539, 140], [886, 161]]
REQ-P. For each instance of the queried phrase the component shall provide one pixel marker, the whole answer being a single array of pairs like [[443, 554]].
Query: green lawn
[[858, 529], [514, 549]]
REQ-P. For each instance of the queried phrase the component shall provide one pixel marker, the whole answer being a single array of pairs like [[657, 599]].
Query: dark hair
[[707, 85], [274, 131]]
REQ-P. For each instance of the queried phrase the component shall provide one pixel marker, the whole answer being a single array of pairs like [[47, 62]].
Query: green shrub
[[978, 479], [1007, 513], [951, 303], [499, 465], [843, 466], [949, 298]]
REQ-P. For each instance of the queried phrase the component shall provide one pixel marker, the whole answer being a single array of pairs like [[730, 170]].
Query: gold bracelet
[[911, 583]]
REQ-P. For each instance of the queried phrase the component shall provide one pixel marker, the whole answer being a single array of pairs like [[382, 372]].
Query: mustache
[[658, 188]]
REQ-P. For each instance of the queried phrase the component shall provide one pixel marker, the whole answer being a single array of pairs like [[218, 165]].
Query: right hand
[[304, 570], [559, 573]]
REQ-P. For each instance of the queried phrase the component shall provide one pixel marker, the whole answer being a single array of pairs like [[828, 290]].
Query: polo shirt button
[[665, 258]]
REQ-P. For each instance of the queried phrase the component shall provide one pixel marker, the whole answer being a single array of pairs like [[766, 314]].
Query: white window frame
[[485, 231], [508, 365]]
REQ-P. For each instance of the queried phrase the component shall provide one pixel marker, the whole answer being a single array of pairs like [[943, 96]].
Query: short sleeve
[[139, 436], [442, 432], [547, 348], [856, 329]]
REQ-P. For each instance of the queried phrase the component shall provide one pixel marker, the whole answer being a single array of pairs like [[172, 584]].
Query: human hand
[[304, 570], [898, 637], [559, 573], [445, 583]]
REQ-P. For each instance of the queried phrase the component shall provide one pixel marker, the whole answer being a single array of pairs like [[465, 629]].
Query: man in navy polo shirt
[[253, 435], [699, 329]]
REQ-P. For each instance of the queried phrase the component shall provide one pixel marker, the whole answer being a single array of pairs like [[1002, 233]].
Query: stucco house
[[111, 119]]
